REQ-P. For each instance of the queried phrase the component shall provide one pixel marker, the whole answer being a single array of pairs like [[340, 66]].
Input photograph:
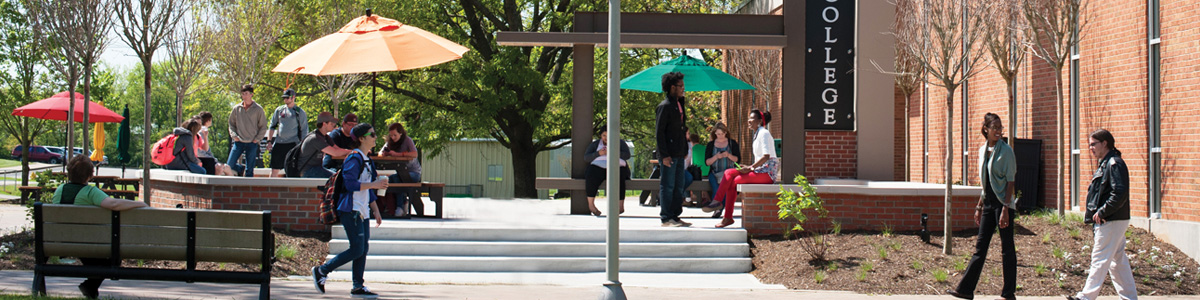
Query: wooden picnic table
[[122, 182], [386, 162], [105, 182]]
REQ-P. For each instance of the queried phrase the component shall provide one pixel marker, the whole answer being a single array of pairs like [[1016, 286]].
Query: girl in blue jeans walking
[[356, 202]]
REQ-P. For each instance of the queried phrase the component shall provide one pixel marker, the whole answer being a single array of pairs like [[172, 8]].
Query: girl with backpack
[[356, 201], [185, 149]]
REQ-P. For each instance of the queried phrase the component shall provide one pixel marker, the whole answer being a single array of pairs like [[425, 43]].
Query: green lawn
[[4, 163], [23, 297]]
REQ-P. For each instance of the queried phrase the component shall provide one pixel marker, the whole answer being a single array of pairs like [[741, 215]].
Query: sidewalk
[[18, 282]]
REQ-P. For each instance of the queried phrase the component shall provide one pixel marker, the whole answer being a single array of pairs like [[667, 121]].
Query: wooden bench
[[29, 193], [105, 182], [121, 194], [577, 186], [135, 182], [437, 191], [156, 234]]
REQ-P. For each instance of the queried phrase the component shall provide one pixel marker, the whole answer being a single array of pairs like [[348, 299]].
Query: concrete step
[[548, 249], [551, 264], [434, 233]]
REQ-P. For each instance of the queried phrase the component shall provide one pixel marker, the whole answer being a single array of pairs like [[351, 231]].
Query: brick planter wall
[[292, 208], [858, 209]]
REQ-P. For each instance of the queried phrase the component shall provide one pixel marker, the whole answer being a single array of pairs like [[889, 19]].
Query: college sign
[[829, 65]]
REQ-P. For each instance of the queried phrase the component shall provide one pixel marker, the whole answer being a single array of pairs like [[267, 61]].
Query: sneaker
[[683, 223], [712, 206], [671, 223], [363, 292], [319, 279], [89, 292]]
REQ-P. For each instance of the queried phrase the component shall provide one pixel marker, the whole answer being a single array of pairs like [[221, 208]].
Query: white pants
[[1108, 258]]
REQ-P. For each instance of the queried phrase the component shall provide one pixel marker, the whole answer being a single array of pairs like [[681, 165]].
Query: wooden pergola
[[662, 30]]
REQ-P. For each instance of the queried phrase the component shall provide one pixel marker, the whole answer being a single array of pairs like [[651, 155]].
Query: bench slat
[[226, 219], [154, 217], [78, 233], [209, 254], [177, 236], [75, 214]]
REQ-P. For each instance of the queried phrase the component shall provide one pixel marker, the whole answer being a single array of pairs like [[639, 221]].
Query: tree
[[189, 53], [1007, 41], [909, 72], [66, 36], [248, 29], [951, 31], [21, 52], [1056, 25], [145, 25]]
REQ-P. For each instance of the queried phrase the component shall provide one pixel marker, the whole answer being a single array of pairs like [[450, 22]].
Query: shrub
[[793, 205]]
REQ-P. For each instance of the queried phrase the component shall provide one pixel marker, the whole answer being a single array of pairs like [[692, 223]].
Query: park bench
[[188, 235], [578, 185], [31, 193], [121, 194], [436, 191]]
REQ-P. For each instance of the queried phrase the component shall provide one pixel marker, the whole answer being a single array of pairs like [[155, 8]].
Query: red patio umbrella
[[56, 107]]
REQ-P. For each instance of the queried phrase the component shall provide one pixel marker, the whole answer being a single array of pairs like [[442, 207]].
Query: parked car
[[39, 154], [78, 151]]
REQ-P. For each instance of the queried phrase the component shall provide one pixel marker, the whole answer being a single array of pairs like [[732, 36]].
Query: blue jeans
[[402, 196], [671, 187], [316, 172], [195, 168], [251, 152], [358, 231]]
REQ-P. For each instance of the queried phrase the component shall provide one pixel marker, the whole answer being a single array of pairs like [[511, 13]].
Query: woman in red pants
[[764, 170]]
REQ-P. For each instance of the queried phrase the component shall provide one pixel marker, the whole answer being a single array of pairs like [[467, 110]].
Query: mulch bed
[[295, 252], [1053, 256]]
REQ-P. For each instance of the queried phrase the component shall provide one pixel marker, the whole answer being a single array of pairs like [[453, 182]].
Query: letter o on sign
[[825, 14]]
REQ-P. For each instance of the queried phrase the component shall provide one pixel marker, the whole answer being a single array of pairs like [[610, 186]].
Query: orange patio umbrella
[[370, 44]]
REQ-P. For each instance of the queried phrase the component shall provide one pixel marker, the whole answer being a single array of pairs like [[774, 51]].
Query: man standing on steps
[[671, 136], [247, 126], [292, 123]]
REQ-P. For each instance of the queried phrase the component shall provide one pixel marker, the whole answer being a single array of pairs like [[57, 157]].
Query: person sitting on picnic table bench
[[185, 149], [317, 145], [597, 170], [341, 139], [399, 144], [77, 191]]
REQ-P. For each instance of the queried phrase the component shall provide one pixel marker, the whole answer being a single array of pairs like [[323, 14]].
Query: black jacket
[[185, 150], [592, 151], [1108, 195], [669, 130]]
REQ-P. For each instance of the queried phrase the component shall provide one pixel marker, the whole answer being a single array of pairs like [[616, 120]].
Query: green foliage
[[867, 266], [959, 265], [1039, 269], [837, 227], [940, 275], [819, 276], [883, 251], [1073, 232], [1058, 253], [861, 275], [793, 205], [831, 266], [917, 265], [49, 182], [285, 251], [886, 230]]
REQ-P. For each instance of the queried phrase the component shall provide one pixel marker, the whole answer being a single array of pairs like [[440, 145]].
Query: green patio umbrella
[[698, 76], [123, 155]]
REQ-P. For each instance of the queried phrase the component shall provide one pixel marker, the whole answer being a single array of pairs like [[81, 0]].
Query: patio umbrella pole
[[374, 120], [612, 288]]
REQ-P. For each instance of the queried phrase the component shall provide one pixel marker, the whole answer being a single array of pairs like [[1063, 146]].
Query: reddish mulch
[[911, 264], [307, 249]]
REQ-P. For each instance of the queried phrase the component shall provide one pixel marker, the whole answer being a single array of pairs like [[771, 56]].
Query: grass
[[861, 275], [24, 297], [940, 275], [1039, 269], [285, 251], [883, 251], [1058, 253], [917, 265], [819, 276], [887, 230], [960, 265], [1073, 232], [4, 163], [868, 266]]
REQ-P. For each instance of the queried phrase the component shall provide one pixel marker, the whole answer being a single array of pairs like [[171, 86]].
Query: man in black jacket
[[1108, 212], [671, 136]]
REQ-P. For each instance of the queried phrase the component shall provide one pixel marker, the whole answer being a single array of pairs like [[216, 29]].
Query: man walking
[[247, 126], [1108, 212], [292, 123], [671, 137]]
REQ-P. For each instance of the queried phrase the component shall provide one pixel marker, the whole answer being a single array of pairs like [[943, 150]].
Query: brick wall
[[1113, 95], [831, 154], [292, 208], [760, 214]]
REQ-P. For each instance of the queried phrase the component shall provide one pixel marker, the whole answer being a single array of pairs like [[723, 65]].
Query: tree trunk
[[25, 144], [179, 109], [70, 119], [907, 136], [146, 130], [524, 169], [948, 227], [1012, 115], [87, 95]]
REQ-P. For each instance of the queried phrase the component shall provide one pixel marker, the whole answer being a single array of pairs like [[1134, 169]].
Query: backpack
[[330, 200], [163, 151], [291, 161]]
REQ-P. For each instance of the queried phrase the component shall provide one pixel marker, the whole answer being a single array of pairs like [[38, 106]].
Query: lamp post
[[612, 287]]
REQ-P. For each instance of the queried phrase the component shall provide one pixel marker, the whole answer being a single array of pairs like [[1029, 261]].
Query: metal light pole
[[612, 287]]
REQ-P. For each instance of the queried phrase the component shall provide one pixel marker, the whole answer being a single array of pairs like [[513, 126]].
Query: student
[[185, 148], [670, 134], [318, 146], [77, 191], [399, 144], [357, 202], [764, 170], [597, 170], [247, 126], [292, 123], [1108, 212]]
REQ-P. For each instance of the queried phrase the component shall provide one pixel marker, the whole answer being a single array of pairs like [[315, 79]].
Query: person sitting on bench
[[77, 191], [399, 144], [597, 170]]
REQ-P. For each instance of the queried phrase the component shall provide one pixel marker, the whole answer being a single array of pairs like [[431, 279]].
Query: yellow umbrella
[[98, 141]]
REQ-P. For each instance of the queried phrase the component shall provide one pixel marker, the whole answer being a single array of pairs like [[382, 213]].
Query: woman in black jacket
[[1108, 212], [722, 153], [597, 170]]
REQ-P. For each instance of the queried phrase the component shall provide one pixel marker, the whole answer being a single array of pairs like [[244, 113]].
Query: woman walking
[[1108, 212], [997, 172], [354, 204]]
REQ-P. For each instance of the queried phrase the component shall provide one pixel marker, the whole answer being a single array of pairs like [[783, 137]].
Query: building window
[[495, 173]]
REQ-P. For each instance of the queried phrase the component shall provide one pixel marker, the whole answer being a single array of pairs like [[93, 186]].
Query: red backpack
[[163, 151], [329, 200]]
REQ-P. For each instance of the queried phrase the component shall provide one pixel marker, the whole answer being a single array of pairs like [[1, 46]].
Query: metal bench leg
[[264, 290], [39, 284]]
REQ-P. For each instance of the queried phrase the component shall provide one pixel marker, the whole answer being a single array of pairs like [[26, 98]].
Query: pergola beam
[[643, 40]]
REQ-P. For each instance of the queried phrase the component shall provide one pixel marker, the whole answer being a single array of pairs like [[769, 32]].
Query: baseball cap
[[326, 117], [350, 117], [289, 93]]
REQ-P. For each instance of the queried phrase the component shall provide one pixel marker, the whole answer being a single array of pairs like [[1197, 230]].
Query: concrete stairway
[[435, 248]]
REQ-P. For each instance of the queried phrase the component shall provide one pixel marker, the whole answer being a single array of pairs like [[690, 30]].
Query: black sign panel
[[829, 65]]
